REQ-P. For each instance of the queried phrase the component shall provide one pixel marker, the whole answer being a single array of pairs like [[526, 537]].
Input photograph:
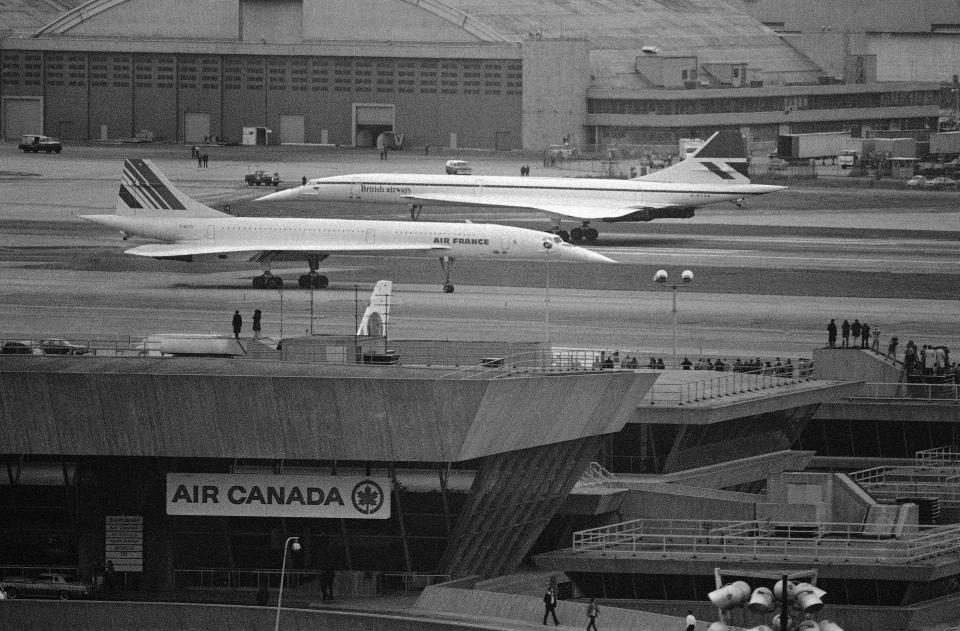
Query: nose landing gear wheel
[[313, 281]]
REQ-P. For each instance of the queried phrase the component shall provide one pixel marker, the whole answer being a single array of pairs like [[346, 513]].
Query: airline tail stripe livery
[[150, 206], [142, 188]]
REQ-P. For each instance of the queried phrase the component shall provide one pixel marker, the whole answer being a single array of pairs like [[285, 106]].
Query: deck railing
[[763, 540]]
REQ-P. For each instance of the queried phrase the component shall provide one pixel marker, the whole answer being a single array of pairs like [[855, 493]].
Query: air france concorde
[[150, 206], [717, 172]]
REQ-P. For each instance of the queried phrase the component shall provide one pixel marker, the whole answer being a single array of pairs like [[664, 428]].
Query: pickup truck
[[35, 143], [48, 585], [262, 178]]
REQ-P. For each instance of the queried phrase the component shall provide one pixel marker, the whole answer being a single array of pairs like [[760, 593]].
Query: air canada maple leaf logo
[[367, 497]]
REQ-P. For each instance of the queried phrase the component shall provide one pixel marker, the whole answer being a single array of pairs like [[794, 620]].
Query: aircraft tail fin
[[146, 192], [721, 160], [377, 315]]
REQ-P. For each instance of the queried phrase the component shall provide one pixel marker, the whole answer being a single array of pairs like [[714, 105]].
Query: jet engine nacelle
[[660, 276], [686, 276], [730, 596], [718, 626], [808, 625], [830, 625], [761, 627], [761, 600]]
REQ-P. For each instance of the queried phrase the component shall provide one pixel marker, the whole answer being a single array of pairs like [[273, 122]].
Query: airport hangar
[[454, 73]]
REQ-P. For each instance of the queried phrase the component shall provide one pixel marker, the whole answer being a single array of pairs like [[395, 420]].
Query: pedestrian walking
[[550, 606], [832, 333], [237, 324], [256, 323], [592, 612]]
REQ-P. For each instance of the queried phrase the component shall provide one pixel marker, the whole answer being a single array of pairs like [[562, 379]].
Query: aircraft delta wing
[[716, 173], [148, 205]]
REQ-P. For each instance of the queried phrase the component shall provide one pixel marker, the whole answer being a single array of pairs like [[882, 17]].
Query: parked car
[[262, 178], [942, 182], [56, 346], [35, 143], [18, 347], [918, 180], [458, 167], [47, 585]]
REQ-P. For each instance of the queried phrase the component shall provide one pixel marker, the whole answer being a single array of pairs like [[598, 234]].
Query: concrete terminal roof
[[223, 408]]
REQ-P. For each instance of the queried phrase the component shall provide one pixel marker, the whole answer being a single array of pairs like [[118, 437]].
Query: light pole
[[283, 568], [686, 277]]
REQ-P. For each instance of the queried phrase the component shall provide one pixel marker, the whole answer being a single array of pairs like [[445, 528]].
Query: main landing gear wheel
[[563, 234], [584, 233], [267, 282], [446, 264], [313, 281], [274, 282]]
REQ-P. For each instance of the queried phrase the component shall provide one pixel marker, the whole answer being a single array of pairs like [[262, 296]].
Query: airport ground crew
[[592, 612]]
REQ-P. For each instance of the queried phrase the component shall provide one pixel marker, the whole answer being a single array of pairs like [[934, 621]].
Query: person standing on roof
[[237, 324]]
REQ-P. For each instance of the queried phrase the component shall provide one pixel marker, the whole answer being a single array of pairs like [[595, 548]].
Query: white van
[[458, 167]]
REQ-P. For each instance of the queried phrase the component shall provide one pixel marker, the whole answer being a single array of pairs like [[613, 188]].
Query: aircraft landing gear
[[738, 202], [560, 232], [313, 280], [267, 281], [584, 233], [446, 264], [415, 211]]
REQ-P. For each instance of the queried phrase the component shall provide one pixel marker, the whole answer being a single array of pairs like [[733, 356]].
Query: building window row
[[317, 74], [734, 104]]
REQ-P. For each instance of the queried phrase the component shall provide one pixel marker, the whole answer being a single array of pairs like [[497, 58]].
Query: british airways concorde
[[150, 206], [716, 173]]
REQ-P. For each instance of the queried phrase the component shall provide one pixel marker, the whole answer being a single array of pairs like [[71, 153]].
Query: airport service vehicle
[[57, 346], [717, 172], [47, 585], [150, 206], [35, 143], [262, 178], [847, 158], [814, 146], [941, 182], [458, 167]]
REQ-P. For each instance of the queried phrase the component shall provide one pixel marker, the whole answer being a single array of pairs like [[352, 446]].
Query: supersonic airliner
[[150, 206], [708, 176]]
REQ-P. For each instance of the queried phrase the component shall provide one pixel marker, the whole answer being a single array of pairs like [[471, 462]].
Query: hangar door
[[22, 115], [196, 126], [291, 128], [369, 121]]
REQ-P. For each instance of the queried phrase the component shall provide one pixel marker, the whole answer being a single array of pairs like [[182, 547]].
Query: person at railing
[[845, 334], [686, 364], [855, 330], [653, 363], [660, 364], [631, 363], [719, 366], [910, 355], [864, 335], [875, 345], [832, 333], [892, 348]]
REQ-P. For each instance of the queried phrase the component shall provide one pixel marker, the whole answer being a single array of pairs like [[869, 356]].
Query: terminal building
[[634, 486], [451, 73]]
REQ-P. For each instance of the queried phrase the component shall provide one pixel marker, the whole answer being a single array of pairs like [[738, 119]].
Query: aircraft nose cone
[[583, 254], [281, 196]]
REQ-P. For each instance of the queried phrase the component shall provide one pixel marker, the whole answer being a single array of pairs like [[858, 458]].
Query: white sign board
[[124, 542], [263, 495]]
